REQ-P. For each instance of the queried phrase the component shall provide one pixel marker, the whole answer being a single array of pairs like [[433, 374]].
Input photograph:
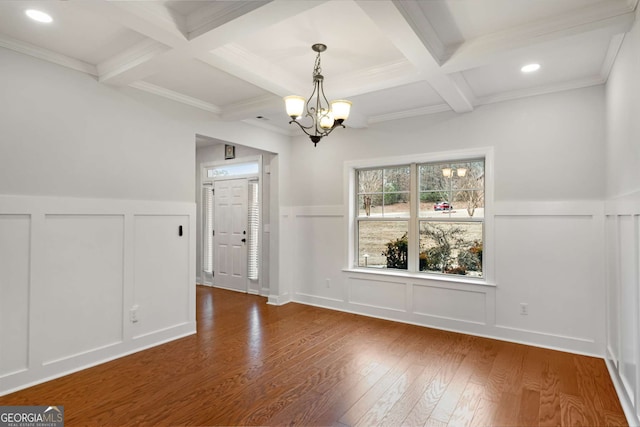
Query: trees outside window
[[447, 218]]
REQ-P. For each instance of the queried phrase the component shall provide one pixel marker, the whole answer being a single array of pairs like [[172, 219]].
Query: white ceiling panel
[[74, 32], [460, 20], [576, 59], [201, 81], [353, 42], [401, 98]]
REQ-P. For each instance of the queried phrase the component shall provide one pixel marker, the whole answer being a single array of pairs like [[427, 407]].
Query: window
[[422, 217], [232, 169]]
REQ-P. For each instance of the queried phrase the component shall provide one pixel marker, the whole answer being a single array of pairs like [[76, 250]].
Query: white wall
[[546, 147], [65, 134], [547, 223], [94, 182], [623, 222]]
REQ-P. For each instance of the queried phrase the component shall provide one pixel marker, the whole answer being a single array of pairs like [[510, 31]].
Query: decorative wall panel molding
[[83, 281]]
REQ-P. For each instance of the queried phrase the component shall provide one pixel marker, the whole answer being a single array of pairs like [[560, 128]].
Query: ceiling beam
[[394, 19]]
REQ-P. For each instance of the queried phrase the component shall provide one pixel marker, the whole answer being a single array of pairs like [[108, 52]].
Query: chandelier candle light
[[325, 115]]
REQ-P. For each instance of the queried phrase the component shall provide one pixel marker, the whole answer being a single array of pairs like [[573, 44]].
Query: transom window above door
[[233, 170]]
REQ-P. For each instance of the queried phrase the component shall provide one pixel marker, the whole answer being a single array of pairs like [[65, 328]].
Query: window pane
[[451, 248], [452, 189], [435, 204], [370, 205], [468, 175], [382, 244], [469, 204], [370, 181], [432, 179], [397, 179], [233, 169], [384, 192], [396, 205]]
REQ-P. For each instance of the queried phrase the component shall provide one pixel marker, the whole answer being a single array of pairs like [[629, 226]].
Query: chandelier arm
[[319, 110]]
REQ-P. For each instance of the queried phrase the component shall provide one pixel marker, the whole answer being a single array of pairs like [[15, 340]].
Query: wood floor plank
[[375, 392], [390, 397], [412, 395], [255, 364], [421, 412], [573, 411], [550, 414], [453, 394], [468, 403], [485, 413], [529, 413]]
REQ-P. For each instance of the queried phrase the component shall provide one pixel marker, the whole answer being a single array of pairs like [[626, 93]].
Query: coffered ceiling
[[392, 58]]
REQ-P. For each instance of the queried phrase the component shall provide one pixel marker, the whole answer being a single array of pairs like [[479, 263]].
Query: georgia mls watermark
[[31, 416]]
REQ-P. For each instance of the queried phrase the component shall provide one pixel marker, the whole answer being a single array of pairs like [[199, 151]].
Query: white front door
[[230, 267]]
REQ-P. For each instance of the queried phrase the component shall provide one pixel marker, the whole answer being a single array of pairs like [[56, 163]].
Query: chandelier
[[325, 116]]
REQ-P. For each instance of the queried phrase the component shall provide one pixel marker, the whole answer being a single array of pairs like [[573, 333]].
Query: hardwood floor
[[255, 364]]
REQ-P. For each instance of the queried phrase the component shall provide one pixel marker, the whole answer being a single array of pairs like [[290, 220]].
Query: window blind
[[207, 215], [254, 228]]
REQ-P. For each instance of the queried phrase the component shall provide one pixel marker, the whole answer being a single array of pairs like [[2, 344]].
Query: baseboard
[[627, 406], [27, 378], [279, 299]]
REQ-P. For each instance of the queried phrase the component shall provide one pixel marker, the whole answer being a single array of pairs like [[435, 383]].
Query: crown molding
[[129, 58], [543, 90], [612, 53], [175, 96], [47, 55], [249, 107], [268, 126], [422, 111], [491, 99]]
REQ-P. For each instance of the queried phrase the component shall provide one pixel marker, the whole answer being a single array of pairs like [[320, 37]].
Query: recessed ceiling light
[[530, 68], [39, 16]]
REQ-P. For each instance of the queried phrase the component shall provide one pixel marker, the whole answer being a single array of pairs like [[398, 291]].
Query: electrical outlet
[[133, 314], [524, 308], [328, 283]]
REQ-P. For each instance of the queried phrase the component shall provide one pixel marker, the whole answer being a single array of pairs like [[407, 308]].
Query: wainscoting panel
[[551, 263], [627, 229], [72, 274], [314, 235], [613, 289], [161, 272], [623, 300], [80, 294], [447, 303], [14, 293], [387, 294]]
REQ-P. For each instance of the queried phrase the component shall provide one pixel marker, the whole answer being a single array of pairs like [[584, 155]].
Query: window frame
[[352, 210]]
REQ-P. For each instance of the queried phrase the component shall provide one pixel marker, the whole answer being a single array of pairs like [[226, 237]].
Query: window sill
[[421, 276]]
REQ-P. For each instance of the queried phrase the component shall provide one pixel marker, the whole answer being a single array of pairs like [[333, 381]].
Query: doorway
[[231, 225]]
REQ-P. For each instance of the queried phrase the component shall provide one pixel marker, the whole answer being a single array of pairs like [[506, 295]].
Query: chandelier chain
[[317, 69]]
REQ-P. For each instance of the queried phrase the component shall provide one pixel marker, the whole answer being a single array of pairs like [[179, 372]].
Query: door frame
[[204, 180]]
